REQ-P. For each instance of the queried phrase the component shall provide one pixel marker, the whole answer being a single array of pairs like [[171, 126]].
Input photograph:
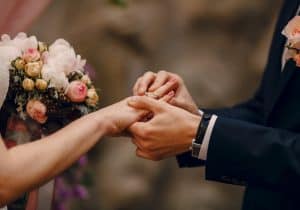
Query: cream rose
[[92, 97], [33, 69], [20, 64], [28, 84], [41, 84], [77, 91]]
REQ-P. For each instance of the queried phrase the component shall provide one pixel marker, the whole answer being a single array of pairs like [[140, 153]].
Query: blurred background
[[218, 47]]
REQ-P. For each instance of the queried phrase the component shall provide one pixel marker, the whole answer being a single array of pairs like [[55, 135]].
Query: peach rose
[[31, 55], [77, 91], [297, 60], [37, 111]]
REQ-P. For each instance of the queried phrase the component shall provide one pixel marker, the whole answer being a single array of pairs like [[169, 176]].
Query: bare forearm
[[33, 164]]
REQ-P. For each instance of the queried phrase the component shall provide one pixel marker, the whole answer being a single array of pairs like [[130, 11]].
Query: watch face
[[206, 116]]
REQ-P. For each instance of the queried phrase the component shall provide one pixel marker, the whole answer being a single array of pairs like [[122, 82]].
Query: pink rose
[[297, 60], [292, 30], [31, 55], [77, 91], [37, 111]]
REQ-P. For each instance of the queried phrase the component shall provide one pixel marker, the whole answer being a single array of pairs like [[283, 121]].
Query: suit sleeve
[[250, 111], [246, 153]]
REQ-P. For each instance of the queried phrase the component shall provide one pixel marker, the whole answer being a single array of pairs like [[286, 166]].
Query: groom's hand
[[169, 132], [161, 83]]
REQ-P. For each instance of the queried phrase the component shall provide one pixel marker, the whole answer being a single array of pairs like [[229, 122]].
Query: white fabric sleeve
[[207, 136]]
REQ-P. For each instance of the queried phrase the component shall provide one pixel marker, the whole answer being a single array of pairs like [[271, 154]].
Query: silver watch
[[195, 149]]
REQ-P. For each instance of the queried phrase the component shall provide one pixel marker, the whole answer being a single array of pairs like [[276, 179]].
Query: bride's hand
[[118, 117]]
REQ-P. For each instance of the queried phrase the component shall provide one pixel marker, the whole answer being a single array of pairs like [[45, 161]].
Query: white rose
[[62, 55], [8, 54], [21, 41], [56, 79]]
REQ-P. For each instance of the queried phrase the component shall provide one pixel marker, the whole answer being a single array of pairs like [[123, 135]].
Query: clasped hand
[[171, 117]]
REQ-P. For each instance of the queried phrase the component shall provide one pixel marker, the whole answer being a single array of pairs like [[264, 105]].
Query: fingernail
[[172, 93], [151, 89], [141, 91]]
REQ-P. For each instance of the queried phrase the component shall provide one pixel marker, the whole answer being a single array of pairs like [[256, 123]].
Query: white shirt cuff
[[207, 136]]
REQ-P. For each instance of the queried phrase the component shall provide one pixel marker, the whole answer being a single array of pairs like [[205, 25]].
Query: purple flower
[[62, 192], [61, 206], [83, 161], [90, 70], [81, 192]]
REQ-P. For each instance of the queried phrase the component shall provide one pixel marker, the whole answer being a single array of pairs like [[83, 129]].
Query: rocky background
[[218, 47]]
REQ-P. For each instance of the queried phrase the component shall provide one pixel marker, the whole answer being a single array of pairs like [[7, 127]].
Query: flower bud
[[41, 84], [92, 97], [28, 84], [33, 69], [42, 47], [86, 79], [20, 64]]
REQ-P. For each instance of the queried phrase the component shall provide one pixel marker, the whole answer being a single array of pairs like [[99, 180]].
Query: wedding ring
[[152, 95]]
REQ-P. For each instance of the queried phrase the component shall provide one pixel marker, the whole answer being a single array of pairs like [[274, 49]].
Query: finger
[[183, 105], [165, 89], [145, 82], [177, 102], [145, 103], [161, 79], [136, 86], [145, 155], [136, 143], [137, 129], [168, 97]]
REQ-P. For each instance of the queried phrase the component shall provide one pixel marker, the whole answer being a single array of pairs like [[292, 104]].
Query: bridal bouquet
[[47, 87], [46, 81]]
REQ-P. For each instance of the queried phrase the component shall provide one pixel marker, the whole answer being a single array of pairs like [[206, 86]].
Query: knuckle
[[149, 73], [177, 78], [162, 72], [150, 146], [146, 132], [143, 145]]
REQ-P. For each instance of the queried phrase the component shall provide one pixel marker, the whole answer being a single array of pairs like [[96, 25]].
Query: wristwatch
[[197, 142]]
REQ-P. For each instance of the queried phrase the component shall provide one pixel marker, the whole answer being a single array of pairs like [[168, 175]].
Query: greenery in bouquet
[[50, 87], [50, 82]]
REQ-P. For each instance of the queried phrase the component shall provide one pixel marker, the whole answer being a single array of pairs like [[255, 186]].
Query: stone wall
[[219, 48]]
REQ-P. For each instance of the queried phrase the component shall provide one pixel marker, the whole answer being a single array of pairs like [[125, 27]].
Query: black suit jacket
[[257, 144]]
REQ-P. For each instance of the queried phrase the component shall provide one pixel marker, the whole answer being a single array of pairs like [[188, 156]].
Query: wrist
[[192, 130], [104, 123]]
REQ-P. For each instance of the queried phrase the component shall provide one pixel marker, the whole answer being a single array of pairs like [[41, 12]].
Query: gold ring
[[152, 95]]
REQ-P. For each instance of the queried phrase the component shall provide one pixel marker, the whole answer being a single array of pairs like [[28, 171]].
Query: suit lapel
[[280, 79]]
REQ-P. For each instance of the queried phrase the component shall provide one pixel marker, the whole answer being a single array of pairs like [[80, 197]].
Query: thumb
[[144, 102]]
